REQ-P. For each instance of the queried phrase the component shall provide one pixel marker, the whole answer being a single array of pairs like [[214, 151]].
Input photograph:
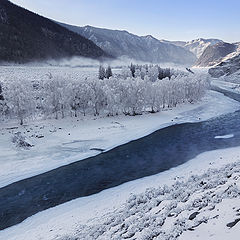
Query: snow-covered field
[[60, 142], [40, 73]]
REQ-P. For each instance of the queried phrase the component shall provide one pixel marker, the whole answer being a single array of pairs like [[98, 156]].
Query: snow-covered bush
[[166, 212], [20, 141]]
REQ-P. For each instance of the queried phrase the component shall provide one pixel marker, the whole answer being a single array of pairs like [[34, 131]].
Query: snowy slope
[[196, 46], [215, 54], [229, 68], [142, 48]]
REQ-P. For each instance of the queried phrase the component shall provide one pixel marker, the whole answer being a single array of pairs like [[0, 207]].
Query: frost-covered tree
[[101, 72], [80, 97], [20, 99], [97, 96], [134, 89], [108, 73], [56, 97], [126, 73]]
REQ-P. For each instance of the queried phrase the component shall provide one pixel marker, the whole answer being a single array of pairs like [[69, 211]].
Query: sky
[[163, 19]]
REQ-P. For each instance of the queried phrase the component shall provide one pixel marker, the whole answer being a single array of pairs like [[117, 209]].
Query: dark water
[[163, 149]]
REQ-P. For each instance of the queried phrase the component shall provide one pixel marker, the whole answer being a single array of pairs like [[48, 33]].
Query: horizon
[[177, 22]]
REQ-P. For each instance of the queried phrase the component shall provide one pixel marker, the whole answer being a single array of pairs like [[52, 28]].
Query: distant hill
[[26, 36], [143, 48], [214, 54]]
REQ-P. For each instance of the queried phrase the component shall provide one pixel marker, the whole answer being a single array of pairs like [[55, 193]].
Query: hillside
[[142, 48], [196, 46], [26, 36], [228, 67], [214, 54]]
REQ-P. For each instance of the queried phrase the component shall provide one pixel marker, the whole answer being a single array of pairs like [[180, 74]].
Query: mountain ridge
[[26, 36], [143, 48]]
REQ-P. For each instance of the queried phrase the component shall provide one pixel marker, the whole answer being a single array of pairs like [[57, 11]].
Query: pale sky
[[164, 19]]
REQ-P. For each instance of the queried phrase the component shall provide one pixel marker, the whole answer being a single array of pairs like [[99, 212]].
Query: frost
[[163, 213], [20, 141]]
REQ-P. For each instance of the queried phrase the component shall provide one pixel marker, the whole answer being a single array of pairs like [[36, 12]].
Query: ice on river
[[224, 136]]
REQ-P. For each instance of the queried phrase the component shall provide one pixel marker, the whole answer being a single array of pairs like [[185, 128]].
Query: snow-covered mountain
[[196, 46], [143, 48], [177, 43], [214, 54], [230, 66]]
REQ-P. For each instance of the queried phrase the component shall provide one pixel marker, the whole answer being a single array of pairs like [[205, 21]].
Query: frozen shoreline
[[69, 140], [65, 219]]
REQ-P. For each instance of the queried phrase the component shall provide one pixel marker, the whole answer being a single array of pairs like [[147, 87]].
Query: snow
[[198, 46], [224, 136], [60, 142], [71, 218], [229, 86], [40, 73], [216, 229]]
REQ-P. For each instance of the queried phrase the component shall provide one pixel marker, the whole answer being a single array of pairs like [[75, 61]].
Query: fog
[[120, 62], [82, 62]]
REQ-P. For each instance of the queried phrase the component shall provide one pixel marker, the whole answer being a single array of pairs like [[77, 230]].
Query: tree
[[96, 95], [160, 73], [108, 72], [81, 97], [56, 96], [1, 96], [20, 100], [133, 69], [101, 72]]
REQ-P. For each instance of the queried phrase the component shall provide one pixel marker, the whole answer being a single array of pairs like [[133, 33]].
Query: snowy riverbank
[[229, 86], [57, 143], [207, 186]]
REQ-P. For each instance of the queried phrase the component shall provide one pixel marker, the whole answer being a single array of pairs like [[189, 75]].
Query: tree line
[[59, 97]]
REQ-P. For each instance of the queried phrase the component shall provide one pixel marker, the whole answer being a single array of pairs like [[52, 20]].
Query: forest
[[133, 91]]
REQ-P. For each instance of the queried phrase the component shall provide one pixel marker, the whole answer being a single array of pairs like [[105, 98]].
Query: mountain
[[26, 36], [214, 54], [229, 66], [196, 46], [143, 48], [177, 43]]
